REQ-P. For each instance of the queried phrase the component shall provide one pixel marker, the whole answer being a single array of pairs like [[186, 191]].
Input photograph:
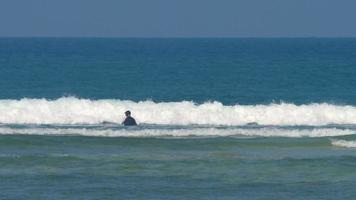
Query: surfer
[[129, 121]]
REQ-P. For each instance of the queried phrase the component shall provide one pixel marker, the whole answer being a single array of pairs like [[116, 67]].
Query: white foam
[[199, 132], [70, 110], [344, 143]]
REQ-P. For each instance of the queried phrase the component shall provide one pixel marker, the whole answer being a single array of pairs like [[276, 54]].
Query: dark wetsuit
[[129, 121]]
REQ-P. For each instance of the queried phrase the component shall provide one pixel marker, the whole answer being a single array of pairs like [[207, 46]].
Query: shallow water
[[75, 167]]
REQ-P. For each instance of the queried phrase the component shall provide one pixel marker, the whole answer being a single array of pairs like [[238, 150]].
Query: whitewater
[[86, 117], [72, 110]]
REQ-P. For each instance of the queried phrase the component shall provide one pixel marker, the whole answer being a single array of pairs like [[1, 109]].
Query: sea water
[[218, 118]]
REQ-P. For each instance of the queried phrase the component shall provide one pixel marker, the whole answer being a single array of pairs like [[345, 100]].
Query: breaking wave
[[71, 110], [344, 143]]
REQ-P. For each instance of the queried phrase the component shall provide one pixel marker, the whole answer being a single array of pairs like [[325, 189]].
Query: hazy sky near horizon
[[178, 18]]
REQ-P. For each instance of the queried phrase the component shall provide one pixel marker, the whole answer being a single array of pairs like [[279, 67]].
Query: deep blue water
[[58, 148], [244, 71]]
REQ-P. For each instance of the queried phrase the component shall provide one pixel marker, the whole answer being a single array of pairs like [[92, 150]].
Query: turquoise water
[[218, 118], [52, 167]]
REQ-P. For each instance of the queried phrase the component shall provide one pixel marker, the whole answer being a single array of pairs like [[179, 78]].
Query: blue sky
[[178, 18]]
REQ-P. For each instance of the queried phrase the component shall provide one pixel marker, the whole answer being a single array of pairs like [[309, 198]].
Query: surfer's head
[[127, 113]]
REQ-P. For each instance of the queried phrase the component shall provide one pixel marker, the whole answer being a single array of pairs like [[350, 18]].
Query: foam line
[[199, 132]]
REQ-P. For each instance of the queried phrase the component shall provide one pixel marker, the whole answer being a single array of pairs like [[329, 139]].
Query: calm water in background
[[37, 164], [244, 71]]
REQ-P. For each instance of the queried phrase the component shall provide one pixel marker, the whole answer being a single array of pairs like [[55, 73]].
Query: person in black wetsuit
[[129, 121]]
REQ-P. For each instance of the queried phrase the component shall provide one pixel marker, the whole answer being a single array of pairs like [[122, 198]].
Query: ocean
[[219, 118]]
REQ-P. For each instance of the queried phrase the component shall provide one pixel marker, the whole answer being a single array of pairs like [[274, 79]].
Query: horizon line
[[186, 37]]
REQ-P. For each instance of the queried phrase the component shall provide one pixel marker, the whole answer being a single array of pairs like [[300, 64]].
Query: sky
[[178, 18]]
